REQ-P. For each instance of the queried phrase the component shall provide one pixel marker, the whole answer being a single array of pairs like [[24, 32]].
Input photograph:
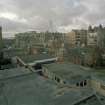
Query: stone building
[[67, 74], [70, 39], [96, 36], [52, 43], [101, 38], [81, 37], [92, 38], [98, 82], [20, 86], [27, 39], [77, 38]]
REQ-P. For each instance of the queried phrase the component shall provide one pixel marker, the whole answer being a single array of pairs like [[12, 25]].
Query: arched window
[[81, 84], [85, 82]]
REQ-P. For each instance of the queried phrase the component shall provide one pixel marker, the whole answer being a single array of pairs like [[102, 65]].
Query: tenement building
[[96, 36], [45, 42], [77, 38]]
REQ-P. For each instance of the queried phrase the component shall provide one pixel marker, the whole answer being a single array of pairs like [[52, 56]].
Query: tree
[[97, 57]]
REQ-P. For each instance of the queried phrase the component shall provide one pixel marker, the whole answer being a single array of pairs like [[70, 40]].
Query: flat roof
[[33, 89], [93, 100], [71, 72], [33, 58], [19, 86], [14, 72], [98, 75]]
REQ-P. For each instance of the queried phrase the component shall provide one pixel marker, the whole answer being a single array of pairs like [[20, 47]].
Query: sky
[[53, 15]]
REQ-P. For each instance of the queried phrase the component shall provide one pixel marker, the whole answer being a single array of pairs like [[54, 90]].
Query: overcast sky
[[56, 15]]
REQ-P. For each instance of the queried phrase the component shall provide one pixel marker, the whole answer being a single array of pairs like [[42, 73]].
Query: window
[[58, 80], [102, 99], [55, 78], [85, 83], [77, 84], [81, 84], [103, 87], [64, 82], [38, 66]]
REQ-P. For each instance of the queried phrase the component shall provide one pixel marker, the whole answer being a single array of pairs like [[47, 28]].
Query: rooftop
[[98, 75], [32, 58], [71, 72], [93, 100], [14, 72], [21, 87]]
